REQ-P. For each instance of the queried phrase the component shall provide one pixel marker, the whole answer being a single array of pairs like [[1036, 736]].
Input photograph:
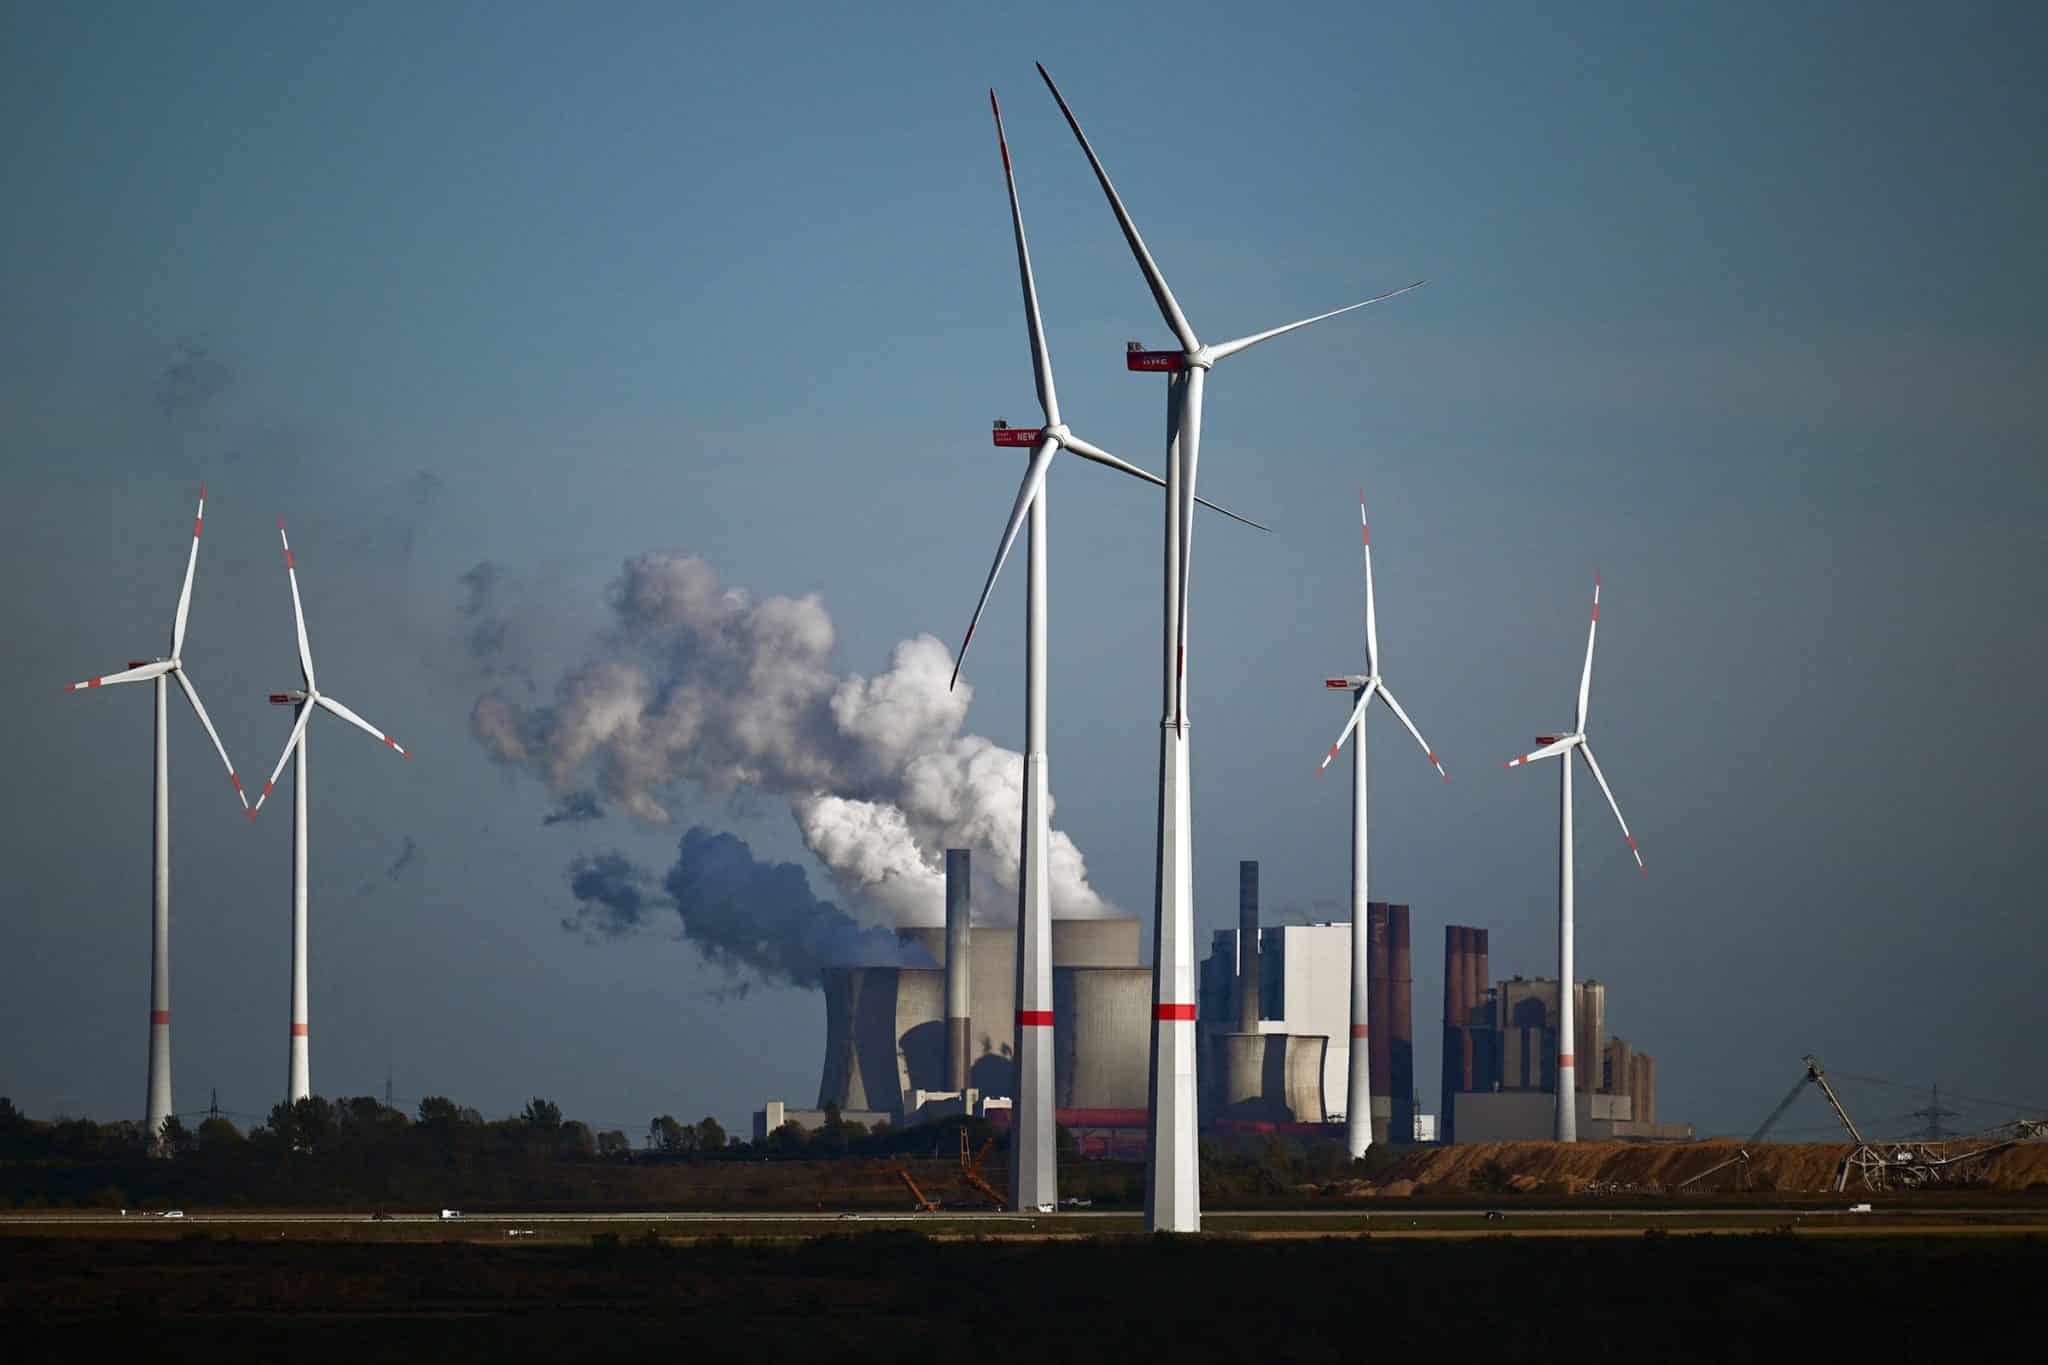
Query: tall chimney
[[959, 939], [1475, 996], [1378, 1002], [1454, 987], [1400, 1027], [1248, 946]]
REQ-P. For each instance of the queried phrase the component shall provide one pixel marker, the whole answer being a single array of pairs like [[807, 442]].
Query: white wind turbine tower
[[1562, 746], [1173, 1200], [300, 1085], [1034, 1168], [1363, 687], [160, 671]]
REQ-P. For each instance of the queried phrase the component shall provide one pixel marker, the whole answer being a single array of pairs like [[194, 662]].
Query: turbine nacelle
[[1348, 682]]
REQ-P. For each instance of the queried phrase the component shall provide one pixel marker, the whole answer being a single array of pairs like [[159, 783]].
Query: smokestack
[[1469, 1001], [1475, 997], [1248, 946], [1454, 987], [1400, 1027], [1377, 1000], [958, 940]]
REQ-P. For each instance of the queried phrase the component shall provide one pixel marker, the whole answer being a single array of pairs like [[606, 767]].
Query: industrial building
[[1275, 1023], [1500, 1057], [887, 1028]]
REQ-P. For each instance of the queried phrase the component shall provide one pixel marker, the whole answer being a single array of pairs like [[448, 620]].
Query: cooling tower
[[886, 1027]]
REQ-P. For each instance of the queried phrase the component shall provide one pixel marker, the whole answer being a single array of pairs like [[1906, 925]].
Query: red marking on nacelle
[[139, 663], [1174, 1013], [1337, 684], [1018, 436], [1546, 739], [281, 699], [1034, 1018], [1171, 362]]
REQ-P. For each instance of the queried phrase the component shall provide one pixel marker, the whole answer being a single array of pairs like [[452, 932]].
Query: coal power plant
[[917, 1042], [1500, 1057], [1275, 1019], [904, 1043]]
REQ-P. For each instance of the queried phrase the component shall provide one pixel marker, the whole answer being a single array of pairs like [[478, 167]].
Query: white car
[[446, 1214]]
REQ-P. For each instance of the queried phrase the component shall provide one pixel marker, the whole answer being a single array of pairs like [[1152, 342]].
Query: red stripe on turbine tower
[[1175, 1013], [1361, 1030], [159, 1017], [1034, 1018], [298, 1030], [1567, 1059]]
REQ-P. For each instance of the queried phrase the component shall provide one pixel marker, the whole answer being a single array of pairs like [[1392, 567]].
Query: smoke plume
[[695, 682], [757, 920], [575, 808]]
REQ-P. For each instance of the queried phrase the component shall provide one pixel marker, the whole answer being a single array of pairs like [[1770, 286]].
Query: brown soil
[[1652, 1168]]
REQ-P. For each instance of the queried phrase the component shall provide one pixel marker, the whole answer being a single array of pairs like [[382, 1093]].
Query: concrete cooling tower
[[886, 1027]]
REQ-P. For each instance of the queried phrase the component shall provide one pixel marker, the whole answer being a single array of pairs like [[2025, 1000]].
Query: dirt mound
[[1655, 1168]]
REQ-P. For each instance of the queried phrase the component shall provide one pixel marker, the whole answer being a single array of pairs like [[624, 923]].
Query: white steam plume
[[699, 683]]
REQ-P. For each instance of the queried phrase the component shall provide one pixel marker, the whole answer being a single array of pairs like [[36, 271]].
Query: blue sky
[[1739, 307]]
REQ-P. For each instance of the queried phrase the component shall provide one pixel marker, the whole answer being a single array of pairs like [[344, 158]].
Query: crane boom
[[1820, 1078]]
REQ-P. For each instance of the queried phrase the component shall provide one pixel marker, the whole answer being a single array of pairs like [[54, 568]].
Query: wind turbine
[[1172, 1185], [159, 671], [1033, 1165], [305, 699], [1363, 687], [1561, 746]]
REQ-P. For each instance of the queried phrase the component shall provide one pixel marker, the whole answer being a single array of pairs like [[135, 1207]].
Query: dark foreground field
[[899, 1294]]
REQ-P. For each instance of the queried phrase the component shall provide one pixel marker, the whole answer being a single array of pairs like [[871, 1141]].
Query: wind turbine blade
[[1226, 349], [191, 563], [1103, 457], [1593, 763], [305, 714], [1586, 677], [1041, 358], [323, 700], [1395, 707], [199, 709], [298, 612], [1357, 715], [1169, 309], [1555, 747], [1213, 507], [142, 674], [1372, 625], [1034, 477]]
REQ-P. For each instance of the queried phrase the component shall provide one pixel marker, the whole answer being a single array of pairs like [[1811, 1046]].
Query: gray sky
[[1741, 308]]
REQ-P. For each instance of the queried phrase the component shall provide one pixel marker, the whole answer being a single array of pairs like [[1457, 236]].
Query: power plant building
[[1290, 1062], [1500, 1057], [887, 1028]]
